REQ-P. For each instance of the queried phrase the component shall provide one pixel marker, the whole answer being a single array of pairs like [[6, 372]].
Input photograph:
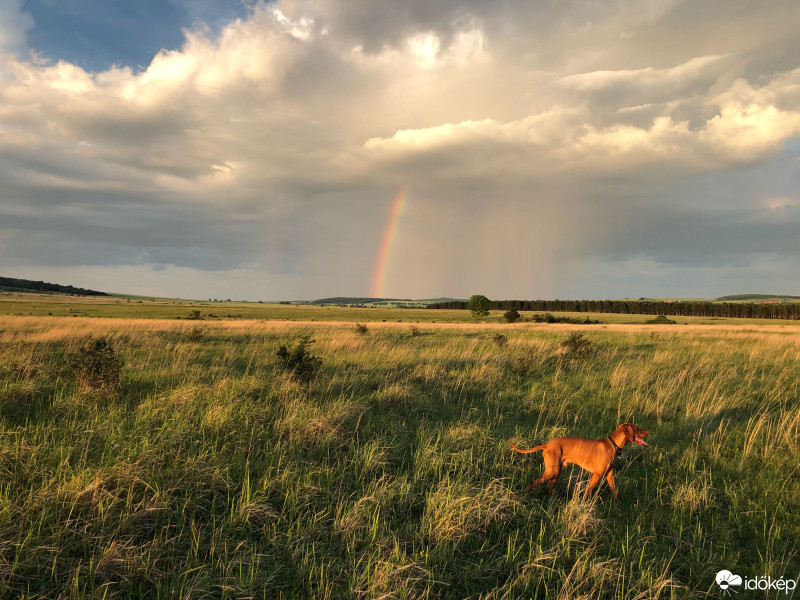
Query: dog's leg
[[612, 485], [552, 469], [592, 483], [550, 475], [534, 483]]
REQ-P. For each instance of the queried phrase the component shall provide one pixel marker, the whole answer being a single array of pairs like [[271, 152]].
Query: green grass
[[215, 474], [24, 304]]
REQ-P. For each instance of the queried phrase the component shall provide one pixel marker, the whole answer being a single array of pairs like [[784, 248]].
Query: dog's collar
[[617, 448]]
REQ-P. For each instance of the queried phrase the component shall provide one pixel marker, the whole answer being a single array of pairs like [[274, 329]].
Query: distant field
[[54, 305], [758, 298], [60, 306], [213, 473]]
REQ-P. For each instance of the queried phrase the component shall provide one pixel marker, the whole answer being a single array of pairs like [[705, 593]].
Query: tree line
[[27, 285], [740, 310]]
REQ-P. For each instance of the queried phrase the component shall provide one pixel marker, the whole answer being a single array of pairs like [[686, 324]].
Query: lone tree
[[511, 315], [479, 306]]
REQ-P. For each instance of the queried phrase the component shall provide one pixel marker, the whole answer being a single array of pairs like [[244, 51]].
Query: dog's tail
[[528, 451]]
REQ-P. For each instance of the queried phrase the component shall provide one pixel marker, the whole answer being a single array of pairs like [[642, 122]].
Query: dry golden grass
[[388, 474]]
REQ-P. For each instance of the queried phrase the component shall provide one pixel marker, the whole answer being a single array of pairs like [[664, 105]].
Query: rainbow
[[398, 206]]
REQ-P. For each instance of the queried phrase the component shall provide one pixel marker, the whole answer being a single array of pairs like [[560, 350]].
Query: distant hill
[[755, 297], [9, 284], [353, 300], [348, 300]]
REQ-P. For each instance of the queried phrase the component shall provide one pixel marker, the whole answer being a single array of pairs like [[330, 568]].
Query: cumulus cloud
[[275, 144], [747, 126]]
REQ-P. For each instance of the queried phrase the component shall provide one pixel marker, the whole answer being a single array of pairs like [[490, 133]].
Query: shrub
[[549, 318], [661, 320], [195, 334], [511, 315], [298, 362], [195, 316], [500, 340], [415, 331], [361, 328], [544, 318], [97, 366], [576, 345], [529, 363], [522, 365]]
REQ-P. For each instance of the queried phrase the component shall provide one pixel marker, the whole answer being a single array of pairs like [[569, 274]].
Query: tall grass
[[215, 473]]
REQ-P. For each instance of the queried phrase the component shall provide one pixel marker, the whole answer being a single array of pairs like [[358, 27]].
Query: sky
[[302, 149]]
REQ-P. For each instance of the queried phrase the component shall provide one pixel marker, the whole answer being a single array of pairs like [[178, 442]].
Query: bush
[[576, 345], [661, 320], [500, 340], [195, 334], [361, 328], [511, 315], [195, 316], [529, 363], [415, 331], [545, 318], [298, 362], [522, 365], [549, 318], [97, 366]]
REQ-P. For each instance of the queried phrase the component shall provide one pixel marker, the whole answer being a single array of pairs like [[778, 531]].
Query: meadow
[[212, 472], [60, 305]]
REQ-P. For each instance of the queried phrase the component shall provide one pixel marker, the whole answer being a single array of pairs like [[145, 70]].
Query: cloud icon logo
[[726, 579]]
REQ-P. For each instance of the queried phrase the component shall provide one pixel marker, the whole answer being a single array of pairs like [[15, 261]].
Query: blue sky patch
[[96, 34]]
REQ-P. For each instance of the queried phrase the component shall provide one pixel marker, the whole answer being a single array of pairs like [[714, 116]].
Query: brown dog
[[596, 456]]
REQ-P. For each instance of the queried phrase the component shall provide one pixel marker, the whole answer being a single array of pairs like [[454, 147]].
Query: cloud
[[274, 145], [681, 75], [780, 204], [747, 126], [14, 25]]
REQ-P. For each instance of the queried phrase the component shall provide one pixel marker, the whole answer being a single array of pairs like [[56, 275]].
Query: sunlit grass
[[215, 474]]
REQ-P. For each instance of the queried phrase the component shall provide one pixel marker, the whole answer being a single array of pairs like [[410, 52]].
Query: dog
[[596, 456]]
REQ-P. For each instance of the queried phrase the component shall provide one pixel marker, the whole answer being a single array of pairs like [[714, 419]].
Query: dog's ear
[[630, 431]]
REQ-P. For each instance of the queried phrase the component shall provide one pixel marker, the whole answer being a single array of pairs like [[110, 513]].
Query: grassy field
[[27, 304], [213, 473]]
